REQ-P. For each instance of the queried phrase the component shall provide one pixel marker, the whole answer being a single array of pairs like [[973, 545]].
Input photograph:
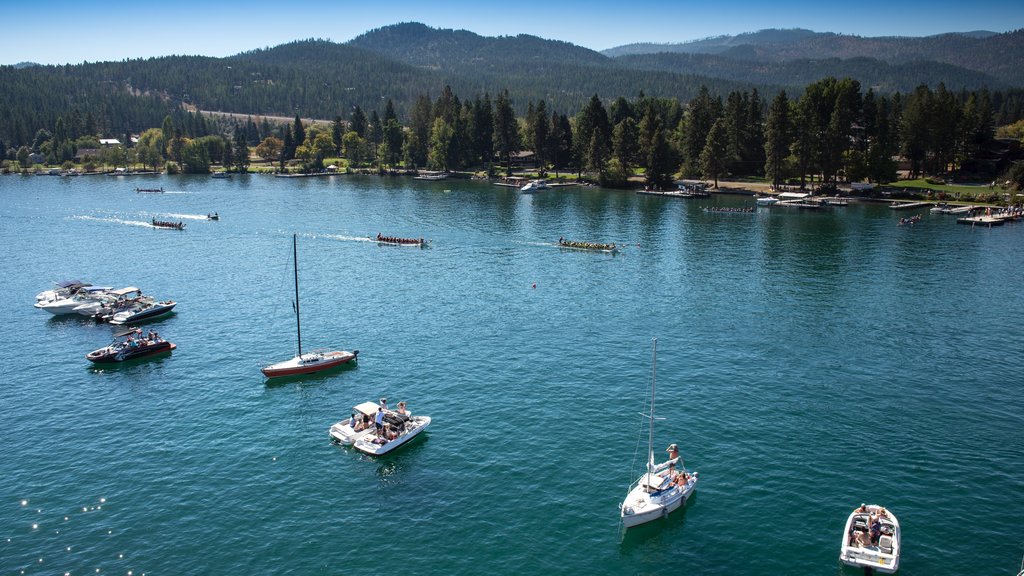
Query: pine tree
[[713, 156], [778, 137]]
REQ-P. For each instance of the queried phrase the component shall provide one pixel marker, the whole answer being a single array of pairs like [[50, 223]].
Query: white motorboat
[[312, 362], [766, 200], [871, 539], [83, 295], [358, 425], [399, 427], [145, 308], [61, 291], [114, 301], [663, 487], [534, 186]]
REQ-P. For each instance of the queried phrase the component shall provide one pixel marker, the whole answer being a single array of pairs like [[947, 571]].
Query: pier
[[908, 205]]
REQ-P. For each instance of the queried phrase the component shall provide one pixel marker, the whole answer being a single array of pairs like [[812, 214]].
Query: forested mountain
[[715, 44], [323, 79], [883, 76], [997, 55]]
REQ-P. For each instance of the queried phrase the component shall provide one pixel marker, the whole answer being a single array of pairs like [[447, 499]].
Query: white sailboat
[[663, 487], [309, 362]]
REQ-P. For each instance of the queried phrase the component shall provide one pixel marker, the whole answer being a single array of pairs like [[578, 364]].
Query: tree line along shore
[[834, 132]]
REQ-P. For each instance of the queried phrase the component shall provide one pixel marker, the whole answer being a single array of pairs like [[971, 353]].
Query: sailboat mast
[[295, 257], [650, 429]]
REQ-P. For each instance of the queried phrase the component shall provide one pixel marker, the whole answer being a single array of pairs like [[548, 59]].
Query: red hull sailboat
[[310, 362]]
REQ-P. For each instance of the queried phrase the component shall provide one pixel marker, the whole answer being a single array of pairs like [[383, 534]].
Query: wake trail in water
[[187, 216], [113, 220], [341, 237]]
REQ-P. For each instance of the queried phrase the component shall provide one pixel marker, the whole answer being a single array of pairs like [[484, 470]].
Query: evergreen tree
[[593, 135], [625, 146], [420, 126], [358, 122], [241, 149], [506, 131], [661, 162], [482, 131], [713, 156], [539, 135], [337, 132], [778, 138]]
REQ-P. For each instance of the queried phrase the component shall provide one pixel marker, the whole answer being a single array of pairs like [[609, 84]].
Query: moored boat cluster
[[122, 306]]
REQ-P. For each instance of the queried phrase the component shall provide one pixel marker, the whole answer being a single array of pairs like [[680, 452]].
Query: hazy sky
[[73, 31]]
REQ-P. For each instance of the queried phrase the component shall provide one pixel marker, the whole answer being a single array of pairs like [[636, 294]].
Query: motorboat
[[534, 186], [61, 291], [429, 175], [398, 428], [315, 361], [130, 345], [871, 539], [766, 200], [358, 425], [221, 175], [112, 302], [214, 216], [663, 487], [145, 308], [84, 295]]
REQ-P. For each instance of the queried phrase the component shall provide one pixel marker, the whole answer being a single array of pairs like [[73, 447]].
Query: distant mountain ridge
[[993, 54], [324, 79]]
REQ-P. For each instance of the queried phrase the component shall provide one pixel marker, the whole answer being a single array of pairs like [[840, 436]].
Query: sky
[[75, 31]]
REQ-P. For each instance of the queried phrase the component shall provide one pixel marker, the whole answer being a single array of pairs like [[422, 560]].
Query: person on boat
[[378, 421], [402, 410], [352, 421], [673, 454], [384, 403], [876, 529]]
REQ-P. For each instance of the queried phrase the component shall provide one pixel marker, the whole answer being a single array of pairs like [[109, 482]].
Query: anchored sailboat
[[309, 362], [663, 487]]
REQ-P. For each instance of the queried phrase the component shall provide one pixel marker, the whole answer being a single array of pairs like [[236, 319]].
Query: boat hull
[[872, 556], [368, 445], [147, 314], [110, 355], [641, 507], [309, 363]]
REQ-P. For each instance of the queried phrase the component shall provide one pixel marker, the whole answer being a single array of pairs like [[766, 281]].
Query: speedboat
[[145, 308], [398, 428], [61, 291], [84, 295], [534, 186], [871, 539], [129, 345], [113, 302], [766, 200], [360, 424]]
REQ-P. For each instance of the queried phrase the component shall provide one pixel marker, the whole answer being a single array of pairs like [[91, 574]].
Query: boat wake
[[113, 220], [343, 238], [184, 216]]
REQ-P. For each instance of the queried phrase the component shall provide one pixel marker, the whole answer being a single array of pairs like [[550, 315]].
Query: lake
[[807, 362]]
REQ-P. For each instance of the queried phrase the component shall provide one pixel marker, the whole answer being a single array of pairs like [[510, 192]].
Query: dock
[[676, 193], [908, 205]]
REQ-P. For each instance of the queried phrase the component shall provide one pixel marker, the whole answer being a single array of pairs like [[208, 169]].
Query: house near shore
[[107, 142]]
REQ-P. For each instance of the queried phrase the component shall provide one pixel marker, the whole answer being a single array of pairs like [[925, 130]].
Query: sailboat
[[663, 487], [309, 362]]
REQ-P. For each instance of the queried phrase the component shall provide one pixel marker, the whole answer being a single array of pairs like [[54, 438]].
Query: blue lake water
[[808, 362]]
